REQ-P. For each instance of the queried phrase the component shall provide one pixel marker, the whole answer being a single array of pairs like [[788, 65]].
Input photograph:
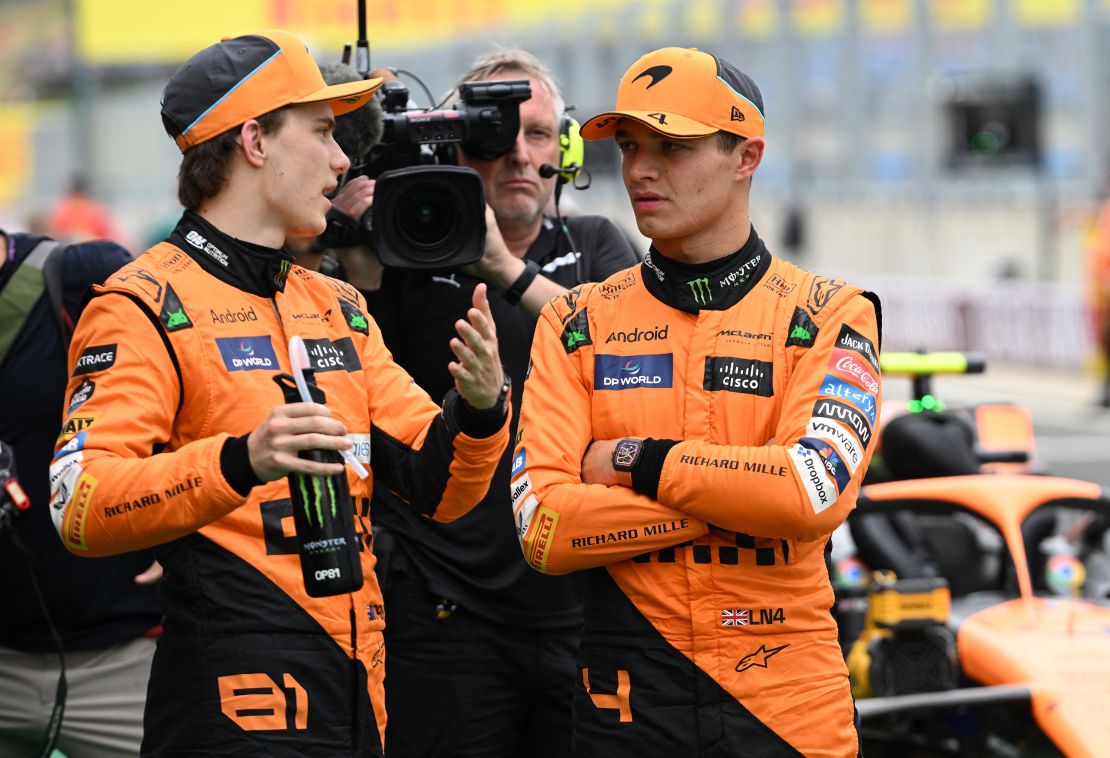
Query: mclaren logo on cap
[[657, 74], [737, 115]]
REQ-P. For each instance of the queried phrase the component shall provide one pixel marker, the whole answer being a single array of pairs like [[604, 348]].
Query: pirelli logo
[[542, 532], [77, 515]]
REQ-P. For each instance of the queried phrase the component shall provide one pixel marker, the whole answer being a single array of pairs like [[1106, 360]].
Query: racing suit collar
[[713, 286], [252, 268]]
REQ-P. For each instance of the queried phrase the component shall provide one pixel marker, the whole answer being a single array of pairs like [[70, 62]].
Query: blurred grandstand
[[949, 153]]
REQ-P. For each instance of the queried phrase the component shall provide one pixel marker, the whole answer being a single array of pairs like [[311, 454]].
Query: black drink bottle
[[322, 515]]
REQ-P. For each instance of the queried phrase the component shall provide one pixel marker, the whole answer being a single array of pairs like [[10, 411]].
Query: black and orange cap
[[684, 92], [242, 78]]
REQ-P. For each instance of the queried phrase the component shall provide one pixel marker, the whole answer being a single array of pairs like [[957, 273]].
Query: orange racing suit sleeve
[[820, 451], [110, 489], [563, 524], [422, 452]]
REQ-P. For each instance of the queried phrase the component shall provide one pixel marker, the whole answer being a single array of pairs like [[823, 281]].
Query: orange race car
[[973, 593]]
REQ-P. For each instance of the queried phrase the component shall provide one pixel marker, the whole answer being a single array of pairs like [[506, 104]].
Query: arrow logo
[[657, 74]]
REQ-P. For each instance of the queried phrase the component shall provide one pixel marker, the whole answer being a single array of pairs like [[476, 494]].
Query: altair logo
[[619, 372]]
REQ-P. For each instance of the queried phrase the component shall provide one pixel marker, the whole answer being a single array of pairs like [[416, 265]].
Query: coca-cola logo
[[852, 368]]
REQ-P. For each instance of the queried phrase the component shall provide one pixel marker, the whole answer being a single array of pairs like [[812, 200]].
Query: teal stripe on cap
[[227, 94]]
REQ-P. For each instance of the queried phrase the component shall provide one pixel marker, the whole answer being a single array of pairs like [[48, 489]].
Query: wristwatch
[[627, 453], [517, 288]]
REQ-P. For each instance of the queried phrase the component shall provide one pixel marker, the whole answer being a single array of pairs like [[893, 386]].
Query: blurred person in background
[[190, 441], [104, 610], [1098, 284], [481, 649], [692, 432], [77, 216]]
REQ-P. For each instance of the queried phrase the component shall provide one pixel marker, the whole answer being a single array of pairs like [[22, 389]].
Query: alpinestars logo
[[759, 657], [699, 289], [657, 74]]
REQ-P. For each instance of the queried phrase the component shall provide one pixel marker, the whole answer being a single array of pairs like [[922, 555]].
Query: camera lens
[[426, 216], [429, 217]]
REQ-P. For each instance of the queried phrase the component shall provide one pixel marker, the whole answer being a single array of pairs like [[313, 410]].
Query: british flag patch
[[734, 618]]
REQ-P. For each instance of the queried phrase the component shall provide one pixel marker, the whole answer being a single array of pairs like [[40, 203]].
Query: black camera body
[[429, 213]]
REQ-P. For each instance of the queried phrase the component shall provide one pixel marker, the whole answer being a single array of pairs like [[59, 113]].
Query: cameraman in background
[[104, 609], [482, 649]]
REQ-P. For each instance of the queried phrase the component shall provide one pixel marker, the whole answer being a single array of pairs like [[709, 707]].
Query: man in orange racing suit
[[693, 430], [181, 438]]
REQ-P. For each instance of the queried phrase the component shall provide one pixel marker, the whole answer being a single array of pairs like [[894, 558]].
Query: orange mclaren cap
[[245, 77], [684, 92]]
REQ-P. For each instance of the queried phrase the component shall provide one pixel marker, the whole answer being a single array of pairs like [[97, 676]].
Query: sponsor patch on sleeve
[[812, 474], [77, 514], [523, 517], [845, 414], [94, 359], [834, 466], [850, 339], [521, 488], [855, 368], [539, 537], [842, 390], [843, 440], [81, 395], [520, 461]]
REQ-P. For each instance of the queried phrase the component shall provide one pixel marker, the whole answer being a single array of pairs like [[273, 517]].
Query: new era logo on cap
[[684, 92]]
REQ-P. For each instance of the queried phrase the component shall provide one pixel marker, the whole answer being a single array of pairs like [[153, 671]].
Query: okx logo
[[699, 289], [247, 353], [623, 372]]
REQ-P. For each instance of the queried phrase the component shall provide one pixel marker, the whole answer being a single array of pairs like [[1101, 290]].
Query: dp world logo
[[247, 353], [699, 289], [623, 372]]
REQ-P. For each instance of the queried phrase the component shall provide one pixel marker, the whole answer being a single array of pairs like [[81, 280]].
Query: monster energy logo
[[800, 333], [699, 288], [358, 321], [283, 272], [574, 338], [317, 500]]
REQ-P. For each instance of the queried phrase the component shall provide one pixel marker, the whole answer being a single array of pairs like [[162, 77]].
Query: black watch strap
[[626, 453], [517, 288]]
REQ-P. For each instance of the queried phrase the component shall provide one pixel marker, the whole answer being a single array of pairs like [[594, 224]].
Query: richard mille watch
[[626, 453]]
